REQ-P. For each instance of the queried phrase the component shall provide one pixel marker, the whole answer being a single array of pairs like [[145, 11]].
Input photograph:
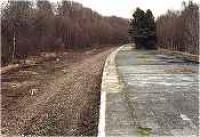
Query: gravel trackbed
[[54, 98]]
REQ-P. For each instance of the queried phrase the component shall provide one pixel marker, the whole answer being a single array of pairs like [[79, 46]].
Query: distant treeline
[[179, 30], [28, 28]]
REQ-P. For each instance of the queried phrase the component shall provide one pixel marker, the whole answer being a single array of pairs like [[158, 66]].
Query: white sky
[[124, 8]]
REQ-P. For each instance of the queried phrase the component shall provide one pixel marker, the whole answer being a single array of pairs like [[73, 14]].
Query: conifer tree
[[142, 29]]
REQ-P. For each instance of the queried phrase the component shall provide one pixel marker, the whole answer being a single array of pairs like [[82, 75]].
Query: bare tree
[[179, 30], [47, 27]]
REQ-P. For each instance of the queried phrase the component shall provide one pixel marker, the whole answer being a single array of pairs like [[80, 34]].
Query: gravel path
[[54, 98]]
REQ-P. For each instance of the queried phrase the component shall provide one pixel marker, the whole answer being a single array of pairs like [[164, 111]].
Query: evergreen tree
[[150, 30], [142, 29]]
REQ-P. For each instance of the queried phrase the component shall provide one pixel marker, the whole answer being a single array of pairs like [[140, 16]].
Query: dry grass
[[59, 97], [187, 56], [179, 70]]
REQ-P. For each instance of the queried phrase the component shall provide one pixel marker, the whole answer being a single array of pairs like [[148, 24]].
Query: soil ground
[[54, 98]]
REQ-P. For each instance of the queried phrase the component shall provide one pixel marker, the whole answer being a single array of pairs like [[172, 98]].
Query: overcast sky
[[124, 8]]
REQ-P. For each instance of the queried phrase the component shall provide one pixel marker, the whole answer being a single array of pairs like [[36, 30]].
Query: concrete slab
[[150, 94]]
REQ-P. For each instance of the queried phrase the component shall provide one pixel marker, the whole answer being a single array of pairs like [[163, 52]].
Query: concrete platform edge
[[110, 62]]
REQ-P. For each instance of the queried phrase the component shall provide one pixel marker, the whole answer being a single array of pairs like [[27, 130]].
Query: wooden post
[[14, 46]]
